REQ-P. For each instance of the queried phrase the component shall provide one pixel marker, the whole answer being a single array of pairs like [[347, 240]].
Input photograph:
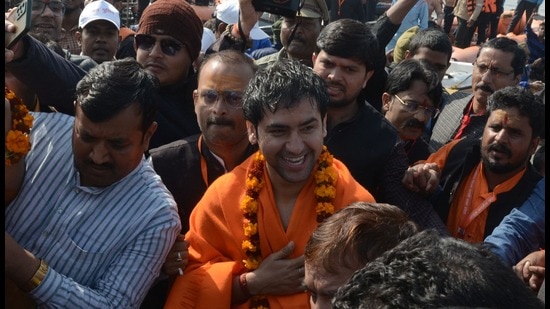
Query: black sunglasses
[[168, 46], [57, 7]]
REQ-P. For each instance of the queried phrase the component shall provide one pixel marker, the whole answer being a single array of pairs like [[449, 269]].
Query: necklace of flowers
[[325, 178], [17, 139]]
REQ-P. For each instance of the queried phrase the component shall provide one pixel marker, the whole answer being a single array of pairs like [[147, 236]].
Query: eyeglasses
[[57, 7], [231, 98], [482, 69], [168, 46], [413, 107]]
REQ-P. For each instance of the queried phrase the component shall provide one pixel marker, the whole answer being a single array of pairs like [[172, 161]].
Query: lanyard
[[204, 168], [468, 216]]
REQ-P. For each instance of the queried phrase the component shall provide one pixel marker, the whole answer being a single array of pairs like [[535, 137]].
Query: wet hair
[[350, 39], [112, 86], [282, 85]]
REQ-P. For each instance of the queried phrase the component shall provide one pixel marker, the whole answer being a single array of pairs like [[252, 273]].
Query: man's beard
[[498, 168]]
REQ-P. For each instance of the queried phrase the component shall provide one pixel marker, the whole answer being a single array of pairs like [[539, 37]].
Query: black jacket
[[462, 159], [179, 166]]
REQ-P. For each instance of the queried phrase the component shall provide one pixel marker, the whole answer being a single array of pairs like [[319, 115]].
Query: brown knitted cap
[[175, 18]]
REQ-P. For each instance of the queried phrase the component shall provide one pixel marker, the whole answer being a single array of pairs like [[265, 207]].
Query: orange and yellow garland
[[17, 139], [325, 178]]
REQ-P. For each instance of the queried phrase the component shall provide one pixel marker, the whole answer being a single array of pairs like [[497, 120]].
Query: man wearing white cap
[[98, 31]]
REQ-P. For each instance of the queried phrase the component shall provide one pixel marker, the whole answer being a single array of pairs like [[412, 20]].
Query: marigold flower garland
[[17, 139], [325, 191]]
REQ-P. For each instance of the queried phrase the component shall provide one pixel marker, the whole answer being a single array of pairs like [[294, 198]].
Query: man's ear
[[252, 133], [386, 100], [78, 37], [195, 96]]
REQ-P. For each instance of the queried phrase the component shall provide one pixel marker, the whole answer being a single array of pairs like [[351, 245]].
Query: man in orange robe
[[297, 183]]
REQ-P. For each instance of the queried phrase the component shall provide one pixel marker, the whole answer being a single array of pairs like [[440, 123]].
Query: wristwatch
[[37, 278]]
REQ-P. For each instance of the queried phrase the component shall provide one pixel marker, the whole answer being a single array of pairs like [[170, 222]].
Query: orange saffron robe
[[216, 234], [461, 207]]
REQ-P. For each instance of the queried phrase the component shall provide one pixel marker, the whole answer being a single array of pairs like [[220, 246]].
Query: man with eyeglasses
[[46, 27], [188, 166], [167, 43], [357, 134], [48, 75], [47, 17], [499, 63], [411, 98]]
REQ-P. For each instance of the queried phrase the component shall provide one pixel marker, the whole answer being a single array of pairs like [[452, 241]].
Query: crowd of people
[[168, 165]]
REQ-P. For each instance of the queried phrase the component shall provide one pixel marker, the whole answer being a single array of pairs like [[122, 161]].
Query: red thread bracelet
[[244, 285]]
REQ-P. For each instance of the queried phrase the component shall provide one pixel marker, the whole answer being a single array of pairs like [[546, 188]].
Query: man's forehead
[[496, 56], [507, 116]]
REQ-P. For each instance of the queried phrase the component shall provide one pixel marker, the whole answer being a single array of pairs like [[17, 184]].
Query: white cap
[[208, 38], [99, 10], [228, 12]]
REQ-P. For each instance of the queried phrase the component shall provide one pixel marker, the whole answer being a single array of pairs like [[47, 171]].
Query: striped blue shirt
[[105, 246]]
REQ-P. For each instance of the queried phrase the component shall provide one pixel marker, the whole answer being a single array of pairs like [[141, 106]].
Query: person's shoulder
[[269, 59], [84, 62], [348, 183], [262, 52], [57, 119], [180, 155], [377, 121], [233, 180], [150, 188], [176, 146], [458, 96]]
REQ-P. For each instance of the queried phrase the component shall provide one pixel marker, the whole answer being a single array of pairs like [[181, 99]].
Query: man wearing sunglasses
[[499, 63], [167, 43], [410, 100]]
